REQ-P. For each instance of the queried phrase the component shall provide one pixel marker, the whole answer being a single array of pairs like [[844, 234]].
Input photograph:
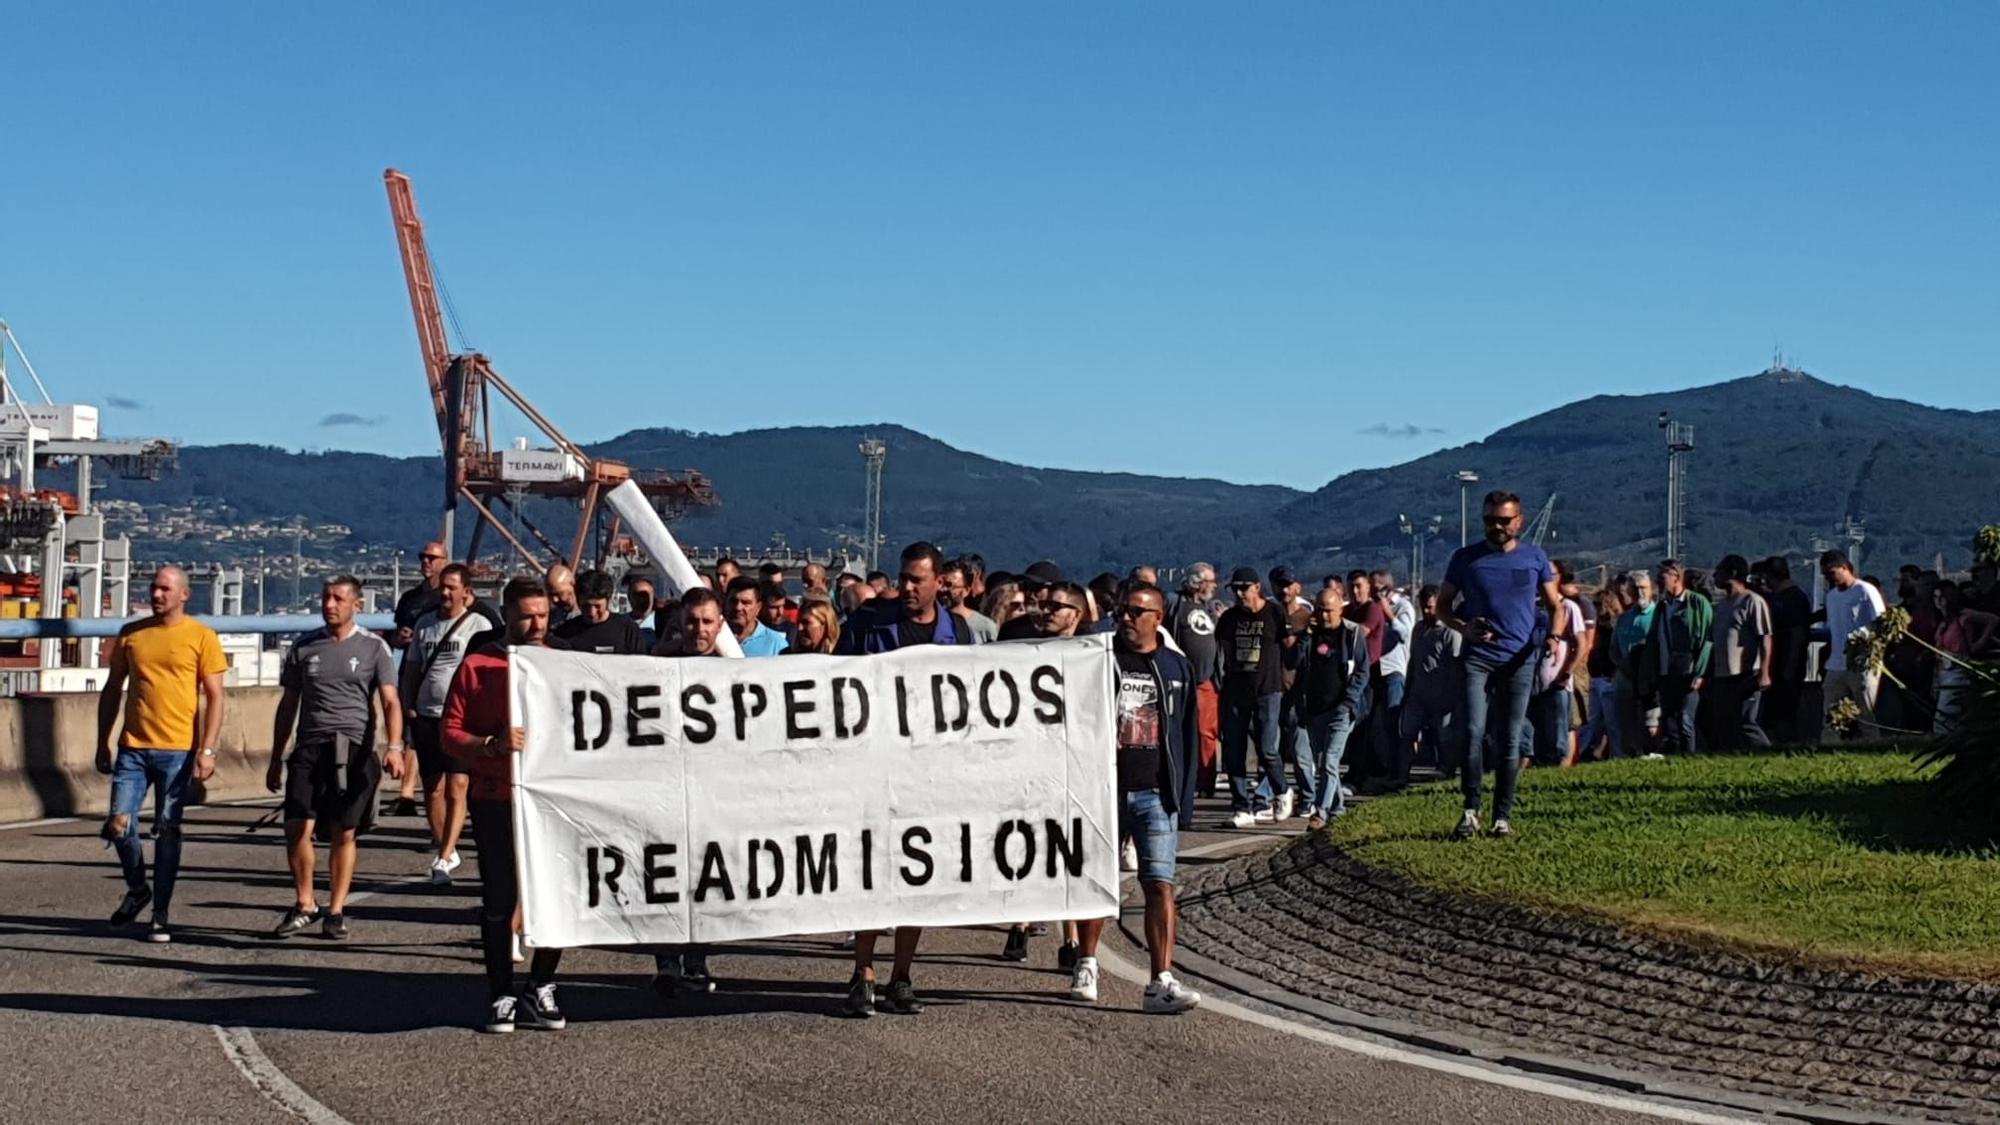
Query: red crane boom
[[459, 386]]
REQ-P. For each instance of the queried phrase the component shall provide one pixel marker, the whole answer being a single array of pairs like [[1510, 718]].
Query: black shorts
[[312, 792], [427, 739]]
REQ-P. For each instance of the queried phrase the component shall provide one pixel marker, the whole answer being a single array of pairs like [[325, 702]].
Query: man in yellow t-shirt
[[174, 663]]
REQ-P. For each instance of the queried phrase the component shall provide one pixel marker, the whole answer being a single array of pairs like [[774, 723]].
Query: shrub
[[1968, 756]]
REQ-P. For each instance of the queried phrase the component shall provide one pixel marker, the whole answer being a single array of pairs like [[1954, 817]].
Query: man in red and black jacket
[[476, 731]]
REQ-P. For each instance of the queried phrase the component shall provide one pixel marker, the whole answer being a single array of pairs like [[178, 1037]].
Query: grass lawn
[[1841, 858]]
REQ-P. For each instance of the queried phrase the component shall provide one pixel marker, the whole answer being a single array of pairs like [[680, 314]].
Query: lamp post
[[1466, 479]]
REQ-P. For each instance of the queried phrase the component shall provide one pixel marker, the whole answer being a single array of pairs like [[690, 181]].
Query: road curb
[[1131, 923]]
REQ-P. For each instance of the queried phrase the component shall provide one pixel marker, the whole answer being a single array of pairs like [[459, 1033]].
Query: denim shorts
[[1142, 817]]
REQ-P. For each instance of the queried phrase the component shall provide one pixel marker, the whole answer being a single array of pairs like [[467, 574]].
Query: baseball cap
[[1281, 577], [1244, 576], [1043, 573]]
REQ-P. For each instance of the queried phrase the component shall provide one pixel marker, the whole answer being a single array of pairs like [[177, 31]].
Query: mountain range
[[1781, 458]]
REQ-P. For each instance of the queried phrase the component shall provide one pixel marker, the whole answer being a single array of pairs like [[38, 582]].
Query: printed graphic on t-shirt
[[1138, 709], [1248, 637]]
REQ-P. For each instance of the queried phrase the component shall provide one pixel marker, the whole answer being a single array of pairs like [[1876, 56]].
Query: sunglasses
[[1133, 612], [1051, 606], [1239, 587], [432, 558]]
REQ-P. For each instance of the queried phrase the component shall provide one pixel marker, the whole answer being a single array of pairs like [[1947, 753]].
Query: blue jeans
[[1319, 766], [1678, 703], [1602, 721], [1503, 686], [1436, 729], [1143, 817], [1238, 716], [1292, 742], [1548, 722], [167, 772]]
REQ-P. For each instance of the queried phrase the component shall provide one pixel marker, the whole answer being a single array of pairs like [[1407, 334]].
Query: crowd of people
[[1505, 663]]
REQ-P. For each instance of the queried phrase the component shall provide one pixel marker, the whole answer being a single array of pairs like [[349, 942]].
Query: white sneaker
[[1083, 982], [440, 872], [1346, 792], [1652, 757], [520, 954], [1243, 820], [1165, 996], [1287, 802], [452, 862], [1264, 816], [1128, 857]]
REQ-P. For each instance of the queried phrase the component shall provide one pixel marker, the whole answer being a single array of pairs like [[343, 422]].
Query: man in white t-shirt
[[438, 644], [1850, 604]]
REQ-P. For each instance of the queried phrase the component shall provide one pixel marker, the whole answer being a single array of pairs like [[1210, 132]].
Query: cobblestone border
[[1482, 977]]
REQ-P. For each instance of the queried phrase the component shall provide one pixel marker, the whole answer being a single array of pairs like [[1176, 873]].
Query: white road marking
[[240, 1047], [1126, 970]]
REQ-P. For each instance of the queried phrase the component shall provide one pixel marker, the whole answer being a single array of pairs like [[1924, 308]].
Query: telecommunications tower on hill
[[873, 453], [1680, 443]]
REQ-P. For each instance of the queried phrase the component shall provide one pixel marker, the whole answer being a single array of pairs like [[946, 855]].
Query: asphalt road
[[224, 1026]]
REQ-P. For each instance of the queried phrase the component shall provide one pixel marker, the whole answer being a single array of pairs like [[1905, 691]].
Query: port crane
[[461, 387], [1538, 531]]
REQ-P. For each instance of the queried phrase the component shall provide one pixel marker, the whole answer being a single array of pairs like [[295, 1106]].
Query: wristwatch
[[208, 751]]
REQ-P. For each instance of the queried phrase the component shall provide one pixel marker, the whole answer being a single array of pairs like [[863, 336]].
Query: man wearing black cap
[[1041, 576], [1251, 637]]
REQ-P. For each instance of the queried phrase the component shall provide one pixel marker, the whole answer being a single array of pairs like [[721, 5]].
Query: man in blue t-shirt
[[1489, 595]]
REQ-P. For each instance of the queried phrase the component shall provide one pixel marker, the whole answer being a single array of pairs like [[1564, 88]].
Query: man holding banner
[[477, 731], [885, 625], [1158, 741], [684, 968]]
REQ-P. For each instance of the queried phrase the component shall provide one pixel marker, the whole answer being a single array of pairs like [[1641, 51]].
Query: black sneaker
[[537, 1008], [135, 900], [335, 928], [901, 999], [667, 981], [296, 921], [1066, 957], [860, 998], [1016, 948], [500, 1018], [403, 806], [694, 975], [162, 931]]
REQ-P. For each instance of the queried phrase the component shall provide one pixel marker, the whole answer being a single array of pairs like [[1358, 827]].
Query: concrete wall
[[48, 745]]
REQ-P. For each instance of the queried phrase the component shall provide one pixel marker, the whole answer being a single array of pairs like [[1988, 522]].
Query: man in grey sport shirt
[[332, 678]]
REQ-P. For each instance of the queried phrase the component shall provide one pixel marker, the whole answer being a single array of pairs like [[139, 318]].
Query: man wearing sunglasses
[[1059, 612], [421, 598], [1489, 595], [1156, 759]]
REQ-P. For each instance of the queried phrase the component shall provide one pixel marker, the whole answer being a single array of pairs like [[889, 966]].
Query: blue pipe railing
[[31, 628]]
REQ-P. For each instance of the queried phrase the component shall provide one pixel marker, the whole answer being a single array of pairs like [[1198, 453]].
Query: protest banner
[[672, 800]]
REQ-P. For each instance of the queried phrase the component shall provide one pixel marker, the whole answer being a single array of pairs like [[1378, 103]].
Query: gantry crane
[[461, 385]]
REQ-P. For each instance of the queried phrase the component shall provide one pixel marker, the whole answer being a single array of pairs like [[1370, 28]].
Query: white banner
[[675, 800]]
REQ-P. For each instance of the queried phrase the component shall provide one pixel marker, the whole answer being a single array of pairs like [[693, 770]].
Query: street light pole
[[1466, 479]]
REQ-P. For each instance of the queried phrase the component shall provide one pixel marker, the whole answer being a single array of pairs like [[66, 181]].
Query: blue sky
[[1239, 241]]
